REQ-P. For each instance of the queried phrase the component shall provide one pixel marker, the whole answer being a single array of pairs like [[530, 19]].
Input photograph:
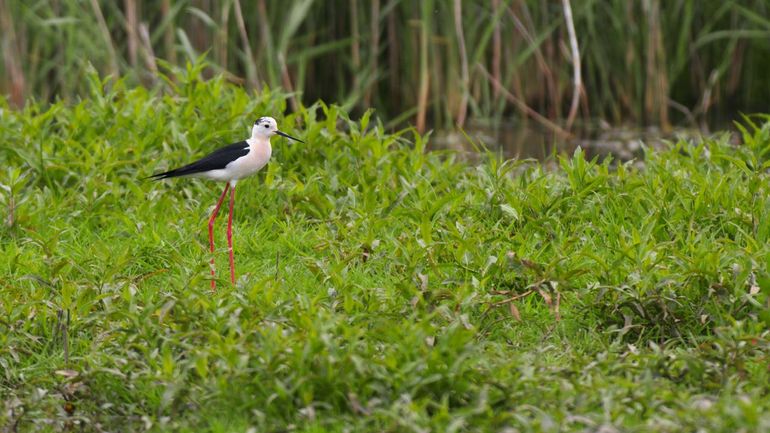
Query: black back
[[216, 160]]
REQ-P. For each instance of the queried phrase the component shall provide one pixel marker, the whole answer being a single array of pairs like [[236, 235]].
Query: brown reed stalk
[[424, 86], [545, 70], [496, 47], [577, 81], [222, 37], [266, 39], [393, 50], [132, 27], [355, 46], [286, 81], [149, 54], [168, 34], [113, 57], [12, 56], [656, 87], [521, 105], [374, 51], [465, 78], [251, 69]]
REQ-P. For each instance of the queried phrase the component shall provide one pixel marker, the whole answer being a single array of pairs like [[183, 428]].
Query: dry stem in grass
[[541, 287]]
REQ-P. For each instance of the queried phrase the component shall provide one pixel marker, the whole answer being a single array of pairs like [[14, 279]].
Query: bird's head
[[266, 127]]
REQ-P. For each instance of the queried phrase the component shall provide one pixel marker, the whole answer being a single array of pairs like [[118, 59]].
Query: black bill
[[283, 134]]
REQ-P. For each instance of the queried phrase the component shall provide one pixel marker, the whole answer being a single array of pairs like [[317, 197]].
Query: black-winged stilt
[[231, 164]]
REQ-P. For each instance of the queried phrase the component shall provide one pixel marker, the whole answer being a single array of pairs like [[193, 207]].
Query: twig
[[556, 306], [524, 107], [65, 333], [277, 264], [577, 80], [519, 296], [11, 207], [61, 329], [139, 278], [685, 111], [548, 332], [56, 327]]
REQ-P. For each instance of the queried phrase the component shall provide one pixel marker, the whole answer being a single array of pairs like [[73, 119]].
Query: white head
[[266, 127]]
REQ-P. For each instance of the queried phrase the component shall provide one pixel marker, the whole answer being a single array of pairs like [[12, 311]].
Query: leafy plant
[[382, 287]]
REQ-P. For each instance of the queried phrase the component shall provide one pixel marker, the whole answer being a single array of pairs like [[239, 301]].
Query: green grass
[[372, 278]]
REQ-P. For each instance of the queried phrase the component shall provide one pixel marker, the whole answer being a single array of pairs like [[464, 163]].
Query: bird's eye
[[266, 126]]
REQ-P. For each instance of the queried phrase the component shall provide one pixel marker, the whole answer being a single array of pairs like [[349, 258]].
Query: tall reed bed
[[429, 62]]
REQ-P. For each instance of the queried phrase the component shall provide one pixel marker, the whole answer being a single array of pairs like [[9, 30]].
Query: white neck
[[259, 140]]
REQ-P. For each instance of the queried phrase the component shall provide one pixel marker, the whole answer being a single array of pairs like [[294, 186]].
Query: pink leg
[[211, 234], [230, 235]]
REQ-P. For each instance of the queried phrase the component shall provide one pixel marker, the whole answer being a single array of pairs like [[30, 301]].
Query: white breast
[[258, 156]]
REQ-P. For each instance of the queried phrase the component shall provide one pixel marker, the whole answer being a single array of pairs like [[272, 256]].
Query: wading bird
[[231, 164]]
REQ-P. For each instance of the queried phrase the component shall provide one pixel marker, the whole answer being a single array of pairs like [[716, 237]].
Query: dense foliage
[[382, 288]]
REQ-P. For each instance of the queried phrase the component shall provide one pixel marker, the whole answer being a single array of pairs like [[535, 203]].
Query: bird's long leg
[[211, 234], [230, 234]]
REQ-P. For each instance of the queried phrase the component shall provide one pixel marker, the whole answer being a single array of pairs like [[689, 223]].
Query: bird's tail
[[164, 175]]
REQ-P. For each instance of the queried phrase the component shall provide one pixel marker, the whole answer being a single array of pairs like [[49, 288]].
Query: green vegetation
[[428, 62], [381, 288]]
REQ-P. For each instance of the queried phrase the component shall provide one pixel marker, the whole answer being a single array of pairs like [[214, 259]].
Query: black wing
[[216, 160]]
